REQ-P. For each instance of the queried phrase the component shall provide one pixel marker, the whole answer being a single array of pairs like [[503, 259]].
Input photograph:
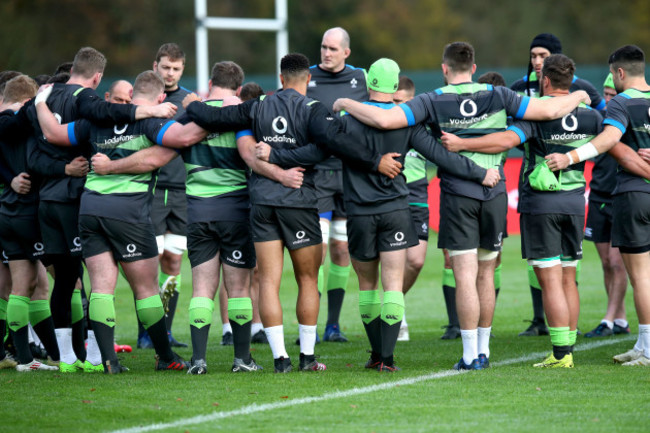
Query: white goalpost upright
[[278, 25]]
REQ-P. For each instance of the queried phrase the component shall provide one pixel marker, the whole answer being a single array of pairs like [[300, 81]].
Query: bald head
[[334, 49], [120, 92]]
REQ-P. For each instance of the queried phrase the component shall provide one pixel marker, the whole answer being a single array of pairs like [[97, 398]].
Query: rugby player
[[472, 219], [380, 225], [281, 216], [625, 122], [332, 78], [599, 231]]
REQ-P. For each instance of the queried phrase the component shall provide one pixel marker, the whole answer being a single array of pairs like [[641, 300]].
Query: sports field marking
[[254, 408]]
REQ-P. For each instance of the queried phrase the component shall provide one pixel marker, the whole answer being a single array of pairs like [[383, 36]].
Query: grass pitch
[[595, 396]]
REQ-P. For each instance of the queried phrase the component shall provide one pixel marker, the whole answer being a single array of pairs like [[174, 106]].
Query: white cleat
[[35, 365], [628, 356], [641, 361], [403, 334]]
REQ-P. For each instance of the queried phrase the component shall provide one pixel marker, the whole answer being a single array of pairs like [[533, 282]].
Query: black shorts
[[599, 222], [420, 217], [551, 235], [295, 227], [631, 222], [329, 190], [21, 238], [231, 239], [169, 211], [368, 235], [60, 227], [128, 242], [467, 223]]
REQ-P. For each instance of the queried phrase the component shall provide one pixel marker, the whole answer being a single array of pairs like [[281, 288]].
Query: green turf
[[595, 396]]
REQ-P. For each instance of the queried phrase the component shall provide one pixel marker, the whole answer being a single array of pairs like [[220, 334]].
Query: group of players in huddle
[[337, 156]]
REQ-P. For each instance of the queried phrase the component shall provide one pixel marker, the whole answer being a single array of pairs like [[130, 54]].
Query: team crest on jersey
[[353, 83]]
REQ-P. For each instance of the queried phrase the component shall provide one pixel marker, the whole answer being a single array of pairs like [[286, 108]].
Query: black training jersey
[[327, 87], [173, 175], [468, 110], [49, 160], [556, 136], [368, 192], [597, 102], [217, 177], [124, 197], [284, 120], [603, 179], [629, 111], [15, 145]]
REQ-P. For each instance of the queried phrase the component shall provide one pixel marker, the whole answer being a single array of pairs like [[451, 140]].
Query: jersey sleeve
[[328, 132], [92, 107], [42, 163], [155, 129], [222, 119], [514, 103], [416, 110], [452, 163], [523, 129], [302, 156], [617, 114], [79, 131]]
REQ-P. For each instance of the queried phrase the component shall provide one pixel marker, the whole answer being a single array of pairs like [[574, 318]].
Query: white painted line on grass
[[254, 408]]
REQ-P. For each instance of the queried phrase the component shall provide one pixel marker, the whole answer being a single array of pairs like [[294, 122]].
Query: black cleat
[[374, 361], [176, 363], [260, 337], [537, 327], [282, 365], [385, 368], [114, 367], [227, 339], [452, 332], [241, 366], [309, 363], [602, 330], [197, 366], [621, 330]]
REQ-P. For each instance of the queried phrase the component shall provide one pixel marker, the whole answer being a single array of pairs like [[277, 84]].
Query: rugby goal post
[[278, 25]]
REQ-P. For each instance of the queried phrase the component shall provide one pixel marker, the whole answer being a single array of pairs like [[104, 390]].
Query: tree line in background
[[37, 35]]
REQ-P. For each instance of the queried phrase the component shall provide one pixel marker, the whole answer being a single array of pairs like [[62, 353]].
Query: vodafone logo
[[76, 241], [119, 131], [300, 234], [399, 236], [570, 122], [280, 125], [236, 255], [131, 248], [38, 246], [473, 109]]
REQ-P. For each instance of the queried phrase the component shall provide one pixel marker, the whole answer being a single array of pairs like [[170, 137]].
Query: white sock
[[64, 341], [404, 323], [307, 338], [225, 328], [470, 344], [484, 340], [609, 323], [638, 346], [644, 337], [275, 335], [93, 355], [622, 323], [255, 328], [33, 338]]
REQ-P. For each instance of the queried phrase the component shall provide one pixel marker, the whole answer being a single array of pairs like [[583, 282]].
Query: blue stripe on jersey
[[244, 133], [575, 78], [326, 215], [625, 95], [353, 67], [615, 124], [159, 137], [519, 132], [438, 91], [601, 106], [384, 105], [71, 136], [525, 100], [490, 87], [410, 118]]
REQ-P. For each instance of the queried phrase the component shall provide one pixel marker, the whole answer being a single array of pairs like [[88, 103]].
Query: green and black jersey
[[326, 87], [468, 110], [172, 175], [531, 82], [555, 136], [415, 171], [629, 111], [217, 177], [124, 197]]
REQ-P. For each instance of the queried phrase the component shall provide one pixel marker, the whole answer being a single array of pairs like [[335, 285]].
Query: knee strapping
[[453, 253], [339, 230], [486, 255], [175, 244], [544, 263]]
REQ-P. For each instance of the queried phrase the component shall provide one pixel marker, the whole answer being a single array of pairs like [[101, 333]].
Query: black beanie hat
[[548, 41]]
